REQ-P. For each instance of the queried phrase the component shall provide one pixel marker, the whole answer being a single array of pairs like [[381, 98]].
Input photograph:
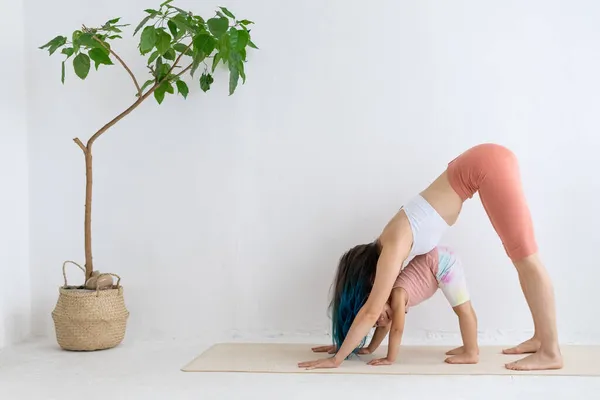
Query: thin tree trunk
[[89, 264]]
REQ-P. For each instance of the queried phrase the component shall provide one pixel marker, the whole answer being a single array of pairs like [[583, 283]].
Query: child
[[440, 268]]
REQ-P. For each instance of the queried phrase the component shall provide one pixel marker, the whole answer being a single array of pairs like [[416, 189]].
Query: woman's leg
[[493, 171], [539, 293]]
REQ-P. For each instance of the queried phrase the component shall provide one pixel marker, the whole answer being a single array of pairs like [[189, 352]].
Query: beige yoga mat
[[412, 360]]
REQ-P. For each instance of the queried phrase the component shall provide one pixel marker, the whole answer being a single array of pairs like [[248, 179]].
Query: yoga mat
[[412, 360]]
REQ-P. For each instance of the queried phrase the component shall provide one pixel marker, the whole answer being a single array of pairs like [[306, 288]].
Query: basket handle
[[65, 273], [104, 274]]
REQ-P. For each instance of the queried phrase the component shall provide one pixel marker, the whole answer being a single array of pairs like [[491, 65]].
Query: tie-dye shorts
[[451, 277]]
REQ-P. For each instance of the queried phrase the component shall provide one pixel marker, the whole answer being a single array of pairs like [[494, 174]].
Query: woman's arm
[[388, 267], [394, 252], [398, 304]]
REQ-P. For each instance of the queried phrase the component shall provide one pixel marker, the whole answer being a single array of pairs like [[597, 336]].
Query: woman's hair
[[351, 287]]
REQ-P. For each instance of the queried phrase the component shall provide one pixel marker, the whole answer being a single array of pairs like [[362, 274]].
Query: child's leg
[[469, 352], [453, 284]]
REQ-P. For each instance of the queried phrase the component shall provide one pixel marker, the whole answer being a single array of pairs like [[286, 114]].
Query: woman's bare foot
[[529, 346], [463, 358], [537, 361]]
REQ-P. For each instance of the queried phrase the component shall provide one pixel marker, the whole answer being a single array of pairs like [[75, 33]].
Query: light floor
[[145, 370]]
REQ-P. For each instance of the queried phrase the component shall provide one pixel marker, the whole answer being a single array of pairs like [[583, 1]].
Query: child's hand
[[364, 350], [380, 361], [324, 349]]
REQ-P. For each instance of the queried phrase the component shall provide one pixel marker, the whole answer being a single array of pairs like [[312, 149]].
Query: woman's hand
[[331, 349], [364, 350], [380, 361], [323, 363]]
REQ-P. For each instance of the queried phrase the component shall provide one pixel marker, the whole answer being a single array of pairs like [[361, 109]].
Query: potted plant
[[177, 46]]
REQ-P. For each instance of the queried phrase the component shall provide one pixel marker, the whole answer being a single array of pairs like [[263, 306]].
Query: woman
[[370, 270]]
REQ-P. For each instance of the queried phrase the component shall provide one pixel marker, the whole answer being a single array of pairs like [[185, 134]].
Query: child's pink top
[[418, 278]]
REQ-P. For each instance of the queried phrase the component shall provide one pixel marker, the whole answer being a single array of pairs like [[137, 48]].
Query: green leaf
[[147, 83], [54, 44], [242, 39], [242, 71], [235, 65], [148, 39], [216, 59], [224, 48], [227, 12], [81, 64], [182, 88], [172, 28], [143, 22], [153, 57], [159, 93], [251, 44], [151, 11], [234, 76], [115, 37], [162, 70], [205, 81], [163, 41], [75, 41], [196, 60], [99, 57], [182, 23], [165, 3], [199, 19], [218, 26], [62, 73], [68, 51], [87, 40], [169, 54], [245, 22], [233, 38], [180, 48], [204, 43], [114, 21], [178, 9]]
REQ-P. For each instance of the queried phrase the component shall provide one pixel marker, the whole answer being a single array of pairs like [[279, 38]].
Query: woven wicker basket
[[87, 320]]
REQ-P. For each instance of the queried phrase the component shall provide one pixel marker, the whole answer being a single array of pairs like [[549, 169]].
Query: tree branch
[[185, 69], [81, 145], [177, 61], [134, 105], [135, 82]]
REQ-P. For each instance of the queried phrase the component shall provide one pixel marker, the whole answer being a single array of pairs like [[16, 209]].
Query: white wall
[[15, 304], [227, 215]]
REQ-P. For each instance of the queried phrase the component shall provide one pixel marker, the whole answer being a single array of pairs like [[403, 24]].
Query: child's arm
[[398, 304], [378, 336]]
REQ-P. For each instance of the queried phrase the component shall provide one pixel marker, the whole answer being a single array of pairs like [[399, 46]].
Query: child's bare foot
[[463, 358], [529, 346], [537, 361], [458, 350]]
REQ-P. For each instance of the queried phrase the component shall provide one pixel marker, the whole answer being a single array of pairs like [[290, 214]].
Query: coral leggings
[[493, 171]]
